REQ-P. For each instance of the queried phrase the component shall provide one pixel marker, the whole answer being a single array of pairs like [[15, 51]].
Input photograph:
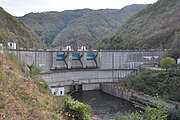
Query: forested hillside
[[55, 27], [47, 25], [12, 29], [86, 30], [121, 15], [156, 26]]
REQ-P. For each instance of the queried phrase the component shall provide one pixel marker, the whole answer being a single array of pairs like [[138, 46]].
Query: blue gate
[[90, 56], [60, 57], [76, 56]]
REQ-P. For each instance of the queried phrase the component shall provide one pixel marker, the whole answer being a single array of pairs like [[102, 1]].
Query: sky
[[22, 7]]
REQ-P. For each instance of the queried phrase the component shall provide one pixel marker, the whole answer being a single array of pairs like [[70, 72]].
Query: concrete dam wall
[[80, 77], [48, 60], [62, 68]]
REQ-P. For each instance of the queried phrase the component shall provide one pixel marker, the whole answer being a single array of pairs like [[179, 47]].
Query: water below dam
[[105, 106]]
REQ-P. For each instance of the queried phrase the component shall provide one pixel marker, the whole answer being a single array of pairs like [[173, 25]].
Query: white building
[[1, 46], [82, 48], [58, 91], [178, 60], [11, 45], [68, 48]]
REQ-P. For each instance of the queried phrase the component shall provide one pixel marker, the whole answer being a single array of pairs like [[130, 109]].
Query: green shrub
[[159, 113], [77, 109], [167, 62], [34, 70], [132, 116]]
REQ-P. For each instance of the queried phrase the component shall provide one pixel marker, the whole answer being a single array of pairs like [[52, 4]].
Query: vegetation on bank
[[77, 110], [151, 113], [164, 83], [159, 113]]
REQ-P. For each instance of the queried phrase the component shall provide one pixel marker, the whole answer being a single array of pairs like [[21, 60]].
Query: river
[[105, 106]]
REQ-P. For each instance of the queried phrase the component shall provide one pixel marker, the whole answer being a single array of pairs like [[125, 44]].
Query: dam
[[87, 69]]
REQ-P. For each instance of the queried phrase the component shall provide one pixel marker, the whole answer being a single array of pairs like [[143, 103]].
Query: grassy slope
[[12, 29], [156, 26], [22, 99]]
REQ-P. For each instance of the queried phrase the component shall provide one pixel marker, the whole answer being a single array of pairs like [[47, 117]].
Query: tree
[[167, 62]]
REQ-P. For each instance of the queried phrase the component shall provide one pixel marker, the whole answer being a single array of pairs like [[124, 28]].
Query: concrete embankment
[[139, 99]]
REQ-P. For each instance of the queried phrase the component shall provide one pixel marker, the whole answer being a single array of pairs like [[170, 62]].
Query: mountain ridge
[[87, 33], [48, 26], [155, 27]]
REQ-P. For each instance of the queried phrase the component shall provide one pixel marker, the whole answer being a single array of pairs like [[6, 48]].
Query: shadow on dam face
[[105, 106]]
